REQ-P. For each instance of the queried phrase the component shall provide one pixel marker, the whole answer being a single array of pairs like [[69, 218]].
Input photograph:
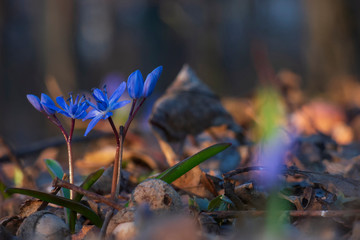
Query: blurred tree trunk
[[330, 46], [58, 43]]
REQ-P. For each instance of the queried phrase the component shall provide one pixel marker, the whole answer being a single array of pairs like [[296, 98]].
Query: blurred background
[[76, 44]]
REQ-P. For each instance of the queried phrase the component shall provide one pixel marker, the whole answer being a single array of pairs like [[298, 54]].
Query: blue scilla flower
[[35, 101], [104, 105], [75, 109], [46, 104], [135, 85], [151, 81]]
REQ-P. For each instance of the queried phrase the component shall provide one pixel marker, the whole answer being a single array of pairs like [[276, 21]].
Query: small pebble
[[159, 195], [43, 225]]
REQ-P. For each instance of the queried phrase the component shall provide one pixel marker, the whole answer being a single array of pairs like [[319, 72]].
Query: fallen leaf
[[333, 183], [187, 108]]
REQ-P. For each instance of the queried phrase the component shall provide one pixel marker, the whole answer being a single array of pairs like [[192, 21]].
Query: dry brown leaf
[[29, 207], [193, 182], [84, 232], [333, 183], [318, 116], [96, 159]]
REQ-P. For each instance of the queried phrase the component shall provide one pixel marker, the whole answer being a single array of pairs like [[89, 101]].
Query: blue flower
[[104, 105], [135, 85], [151, 81], [35, 101], [46, 104], [75, 110]]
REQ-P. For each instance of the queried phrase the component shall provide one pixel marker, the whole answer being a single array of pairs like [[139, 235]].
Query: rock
[[5, 234], [103, 185], [159, 195], [125, 231], [152, 196], [123, 216], [43, 225]]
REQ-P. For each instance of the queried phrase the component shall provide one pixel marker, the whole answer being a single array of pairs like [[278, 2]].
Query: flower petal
[[92, 114], [76, 100], [80, 115], [92, 124], [117, 94], [151, 81], [119, 105], [102, 106], [83, 107], [35, 101], [135, 84], [99, 95], [62, 103], [65, 113], [48, 104], [73, 109], [91, 104]]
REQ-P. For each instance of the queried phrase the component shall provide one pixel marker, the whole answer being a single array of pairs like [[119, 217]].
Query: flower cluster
[[102, 109], [104, 106], [75, 109]]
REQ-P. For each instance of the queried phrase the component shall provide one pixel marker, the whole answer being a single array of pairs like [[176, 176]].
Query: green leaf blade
[[55, 170], [88, 182], [61, 201], [189, 163]]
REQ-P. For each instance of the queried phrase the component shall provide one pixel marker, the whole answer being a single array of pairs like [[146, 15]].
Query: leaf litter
[[316, 195]]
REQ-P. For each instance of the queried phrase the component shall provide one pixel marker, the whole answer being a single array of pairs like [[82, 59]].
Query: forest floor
[[292, 172]]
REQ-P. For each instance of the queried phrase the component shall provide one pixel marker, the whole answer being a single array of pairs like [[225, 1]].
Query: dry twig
[[242, 170], [317, 213], [60, 183]]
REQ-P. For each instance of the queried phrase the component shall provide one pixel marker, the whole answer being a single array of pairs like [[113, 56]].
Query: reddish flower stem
[[117, 159], [120, 137], [132, 115], [57, 122], [71, 167], [118, 180]]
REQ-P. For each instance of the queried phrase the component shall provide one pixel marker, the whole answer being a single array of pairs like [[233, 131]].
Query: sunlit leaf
[[220, 203], [186, 165], [270, 112], [88, 182], [61, 201], [56, 170], [18, 177]]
